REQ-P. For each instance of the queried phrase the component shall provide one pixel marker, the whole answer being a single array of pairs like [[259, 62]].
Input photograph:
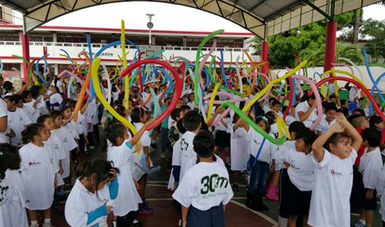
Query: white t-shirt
[[56, 98], [17, 121], [324, 125], [330, 204], [81, 202], [380, 187], [37, 170], [188, 155], [255, 140], [69, 144], [239, 146], [301, 170], [3, 113], [55, 144], [370, 167], [206, 185], [304, 107], [128, 197], [13, 199], [32, 113]]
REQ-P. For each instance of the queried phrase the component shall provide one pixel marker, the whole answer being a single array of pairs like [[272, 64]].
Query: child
[[69, 143], [121, 153], [298, 179], [239, 147], [328, 119], [90, 200], [329, 204], [38, 172], [260, 151], [192, 124], [306, 110], [206, 189], [30, 106], [12, 196], [3, 122], [17, 120], [370, 167]]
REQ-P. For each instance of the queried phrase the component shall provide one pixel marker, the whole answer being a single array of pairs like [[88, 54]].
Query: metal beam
[[283, 10], [257, 5], [316, 8], [15, 6]]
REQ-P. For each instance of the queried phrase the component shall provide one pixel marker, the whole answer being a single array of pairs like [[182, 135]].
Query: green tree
[[375, 32]]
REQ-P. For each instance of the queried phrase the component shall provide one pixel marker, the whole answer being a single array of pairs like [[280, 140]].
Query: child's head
[[97, 172], [167, 101], [27, 96], [359, 121], [333, 98], [296, 128], [139, 115], [204, 144], [263, 123], [9, 158], [35, 133], [8, 87], [35, 91], [276, 106], [371, 137], [176, 114], [358, 111], [184, 109], [179, 125], [18, 101], [304, 139], [116, 133], [10, 102], [67, 112], [376, 122], [340, 144], [330, 111], [57, 118], [46, 120], [192, 121]]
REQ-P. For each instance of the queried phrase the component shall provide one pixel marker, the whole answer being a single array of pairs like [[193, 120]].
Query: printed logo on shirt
[[3, 192], [211, 183], [183, 145], [20, 118], [333, 172], [34, 163]]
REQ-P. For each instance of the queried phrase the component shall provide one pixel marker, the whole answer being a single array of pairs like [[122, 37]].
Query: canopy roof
[[261, 17]]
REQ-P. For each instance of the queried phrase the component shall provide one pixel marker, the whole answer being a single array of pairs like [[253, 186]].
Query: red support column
[[331, 45], [264, 55], [25, 48]]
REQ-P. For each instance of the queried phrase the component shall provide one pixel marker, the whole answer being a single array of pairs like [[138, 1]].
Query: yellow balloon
[[268, 87], [211, 105], [333, 73], [102, 99]]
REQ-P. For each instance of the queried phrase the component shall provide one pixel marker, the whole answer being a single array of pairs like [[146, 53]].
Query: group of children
[[318, 176]]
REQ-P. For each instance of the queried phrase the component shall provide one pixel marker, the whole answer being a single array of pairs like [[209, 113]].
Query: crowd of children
[[318, 176]]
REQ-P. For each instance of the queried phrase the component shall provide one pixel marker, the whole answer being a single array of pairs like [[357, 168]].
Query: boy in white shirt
[[328, 120], [206, 188], [370, 167], [329, 204], [306, 111]]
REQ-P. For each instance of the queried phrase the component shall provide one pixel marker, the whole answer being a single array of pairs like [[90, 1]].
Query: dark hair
[[175, 114], [179, 125], [265, 119], [204, 144], [17, 98], [297, 127], [10, 98], [372, 136], [360, 112], [9, 158], [30, 131], [374, 120], [41, 119], [335, 139], [25, 94], [271, 117], [136, 114], [275, 102], [99, 167], [8, 86], [184, 107], [55, 114], [35, 91], [307, 136], [356, 119], [114, 131], [191, 120], [330, 106]]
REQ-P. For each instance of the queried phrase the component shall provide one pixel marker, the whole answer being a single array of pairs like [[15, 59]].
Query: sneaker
[[136, 223], [146, 211], [272, 193], [180, 222]]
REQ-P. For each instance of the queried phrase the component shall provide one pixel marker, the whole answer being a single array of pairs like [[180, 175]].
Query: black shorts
[[213, 217], [293, 201], [357, 197], [370, 204], [222, 139]]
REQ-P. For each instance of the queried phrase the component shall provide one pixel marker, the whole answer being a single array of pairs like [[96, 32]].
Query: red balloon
[[367, 93], [178, 86]]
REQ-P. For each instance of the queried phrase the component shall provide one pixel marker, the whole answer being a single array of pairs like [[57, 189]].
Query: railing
[[99, 45]]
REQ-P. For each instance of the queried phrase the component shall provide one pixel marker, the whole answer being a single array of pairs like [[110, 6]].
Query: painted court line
[[267, 218]]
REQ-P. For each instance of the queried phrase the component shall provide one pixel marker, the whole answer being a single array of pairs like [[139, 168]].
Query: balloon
[[199, 52], [109, 86], [367, 93], [68, 56], [211, 105], [1, 67], [253, 124], [268, 87], [42, 79], [83, 90], [178, 86], [223, 69]]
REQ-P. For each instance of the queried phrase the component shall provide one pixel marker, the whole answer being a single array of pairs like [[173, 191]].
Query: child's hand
[[61, 170], [149, 123], [337, 128], [109, 209], [340, 118]]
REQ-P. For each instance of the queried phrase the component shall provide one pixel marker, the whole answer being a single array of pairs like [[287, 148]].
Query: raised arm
[[357, 139], [317, 147]]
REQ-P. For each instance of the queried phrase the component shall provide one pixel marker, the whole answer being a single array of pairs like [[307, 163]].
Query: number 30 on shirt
[[210, 183]]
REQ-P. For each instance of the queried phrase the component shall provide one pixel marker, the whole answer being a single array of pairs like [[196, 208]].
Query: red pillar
[[264, 55], [331, 44], [25, 48]]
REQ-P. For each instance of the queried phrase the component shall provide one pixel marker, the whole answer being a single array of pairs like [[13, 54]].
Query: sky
[[167, 17]]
